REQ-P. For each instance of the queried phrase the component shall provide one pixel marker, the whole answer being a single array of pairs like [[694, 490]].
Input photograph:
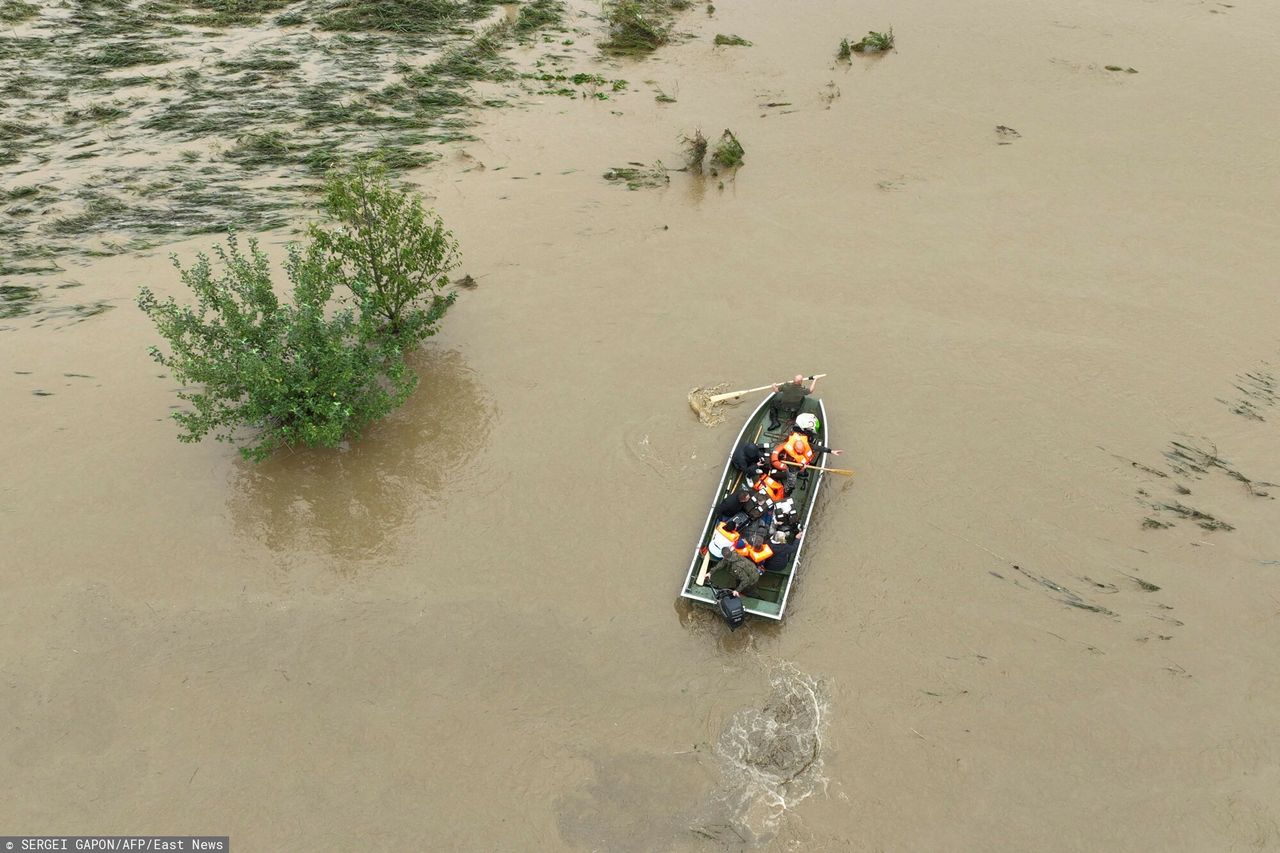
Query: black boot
[[774, 423]]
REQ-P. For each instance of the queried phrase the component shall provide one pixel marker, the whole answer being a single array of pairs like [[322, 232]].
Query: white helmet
[[807, 422]]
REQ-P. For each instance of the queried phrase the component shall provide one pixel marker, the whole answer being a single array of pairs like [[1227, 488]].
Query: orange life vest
[[732, 537], [795, 449], [770, 487], [742, 547], [759, 555]]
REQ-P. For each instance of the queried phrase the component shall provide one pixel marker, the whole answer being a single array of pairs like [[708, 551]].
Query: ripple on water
[[348, 503], [771, 759]]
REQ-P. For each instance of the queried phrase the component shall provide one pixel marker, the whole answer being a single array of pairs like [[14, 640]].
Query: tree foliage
[[389, 251], [317, 368]]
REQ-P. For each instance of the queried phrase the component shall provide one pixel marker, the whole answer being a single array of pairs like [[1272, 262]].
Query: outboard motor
[[731, 608]]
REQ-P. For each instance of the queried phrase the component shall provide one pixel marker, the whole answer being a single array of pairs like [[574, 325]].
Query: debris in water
[[1068, 597], [639, 176], [708, 411], [1006, 135]]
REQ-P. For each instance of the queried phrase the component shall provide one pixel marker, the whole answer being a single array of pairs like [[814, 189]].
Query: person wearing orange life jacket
[[775, 485], [801, 447], [757, 550], [726, 535]]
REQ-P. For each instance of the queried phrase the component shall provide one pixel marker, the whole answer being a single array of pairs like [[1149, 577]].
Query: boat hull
[[769, 598]]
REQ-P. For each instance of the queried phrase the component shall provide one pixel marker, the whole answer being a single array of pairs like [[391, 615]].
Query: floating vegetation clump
[[639, 176], [731, 41], [872, 42], [728, 153], [695, 151], [637, 26]]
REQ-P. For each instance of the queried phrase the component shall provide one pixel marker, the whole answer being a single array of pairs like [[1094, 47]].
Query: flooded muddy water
[[462, 631]]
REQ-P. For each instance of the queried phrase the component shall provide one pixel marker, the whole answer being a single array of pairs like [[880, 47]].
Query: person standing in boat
[[801, 447], [790, 397]]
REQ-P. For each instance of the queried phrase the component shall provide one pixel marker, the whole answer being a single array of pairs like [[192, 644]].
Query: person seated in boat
[[801, 447], [790, 396], [786, 519], [757, 548], [784, 545], [775, 485], [733, 503], [746, 574], [726, 536], [750, 458], [746, 499]]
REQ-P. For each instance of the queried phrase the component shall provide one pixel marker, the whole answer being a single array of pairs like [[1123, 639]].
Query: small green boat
[[769, 597]]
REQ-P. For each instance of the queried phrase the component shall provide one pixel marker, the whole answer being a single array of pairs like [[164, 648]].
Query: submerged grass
[[331, 79], [538, 15], [401, 16], [16, 11], [479, 59]]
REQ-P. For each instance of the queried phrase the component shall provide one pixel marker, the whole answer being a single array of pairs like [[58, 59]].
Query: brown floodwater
[[463, 631]]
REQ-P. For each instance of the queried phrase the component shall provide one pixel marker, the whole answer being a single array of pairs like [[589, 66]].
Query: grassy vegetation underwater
[[165, 107]]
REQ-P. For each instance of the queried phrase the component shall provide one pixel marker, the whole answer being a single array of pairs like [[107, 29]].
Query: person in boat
[[746, 574], [783, 545], [750, 458], [801, 447], [755, 504], [786, 519], [787, 404], [756, 548], [745, 500], [726, 536], [775, 485]]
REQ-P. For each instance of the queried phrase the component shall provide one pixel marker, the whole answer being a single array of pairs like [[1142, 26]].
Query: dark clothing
[[757, 506], [733, 504], [781, 554], [745, 573], [786, 403], [747, 457], [791, 395]]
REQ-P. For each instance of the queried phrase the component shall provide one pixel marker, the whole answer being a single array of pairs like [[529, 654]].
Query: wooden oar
[[718, 397], [845, 471], [702, 572]]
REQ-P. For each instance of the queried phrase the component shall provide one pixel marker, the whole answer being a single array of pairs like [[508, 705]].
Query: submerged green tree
[[316, 369]]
